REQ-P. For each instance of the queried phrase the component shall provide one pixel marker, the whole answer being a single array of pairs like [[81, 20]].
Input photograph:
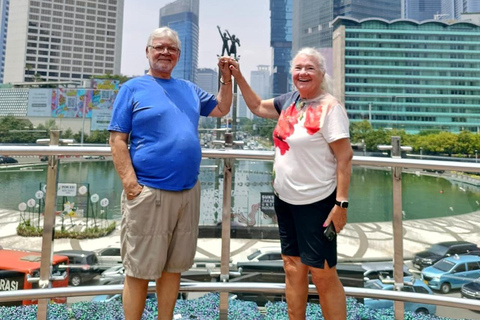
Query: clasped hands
[[228, 66]]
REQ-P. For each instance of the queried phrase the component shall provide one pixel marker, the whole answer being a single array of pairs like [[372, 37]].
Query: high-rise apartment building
[[420, 10], [182, 16], [4, 9], [407, 75], [63, 39], [312, 18], [207, 79], [281, 43]]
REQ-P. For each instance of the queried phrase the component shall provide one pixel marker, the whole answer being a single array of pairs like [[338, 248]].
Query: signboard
[[267, 203], [67, 189], [39, 103], [105, 84], [100, 119], [11, 281]]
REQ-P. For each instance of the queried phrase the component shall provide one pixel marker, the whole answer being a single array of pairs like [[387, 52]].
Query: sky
[[248, 20]]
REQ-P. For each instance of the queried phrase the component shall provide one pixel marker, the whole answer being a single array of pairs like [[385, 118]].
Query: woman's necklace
[[302, 104]]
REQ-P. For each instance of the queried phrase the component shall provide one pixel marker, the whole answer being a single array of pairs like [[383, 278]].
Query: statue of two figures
[[232, 50]]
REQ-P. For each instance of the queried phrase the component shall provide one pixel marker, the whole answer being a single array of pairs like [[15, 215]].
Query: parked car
[[109, 257], [113, 275], [381, 270], [441, 250], [410, 285], [117, 296], [5, 160], [452, 272], [83, 265], [471, 290], [260, 254], [94, 157]]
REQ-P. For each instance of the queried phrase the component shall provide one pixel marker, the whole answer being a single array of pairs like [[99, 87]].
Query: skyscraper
[[281, 43], [63, 39], [4, 6], [421, 10], [312, 18], [472, 6], [450, 10], [182, 16], [207, 79], [260, 81]]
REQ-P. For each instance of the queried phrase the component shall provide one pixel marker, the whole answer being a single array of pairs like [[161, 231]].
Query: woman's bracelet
[[224, 83]]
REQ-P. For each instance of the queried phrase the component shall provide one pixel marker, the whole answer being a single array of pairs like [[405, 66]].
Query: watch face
[[342, 204]]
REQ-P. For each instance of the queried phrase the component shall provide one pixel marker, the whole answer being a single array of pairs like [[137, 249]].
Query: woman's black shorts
[[301, 231]]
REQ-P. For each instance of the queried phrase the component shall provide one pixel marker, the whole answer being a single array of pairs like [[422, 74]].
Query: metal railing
[[228, 155]]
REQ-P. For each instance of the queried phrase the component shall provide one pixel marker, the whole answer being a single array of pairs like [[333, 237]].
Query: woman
[[311, 180]]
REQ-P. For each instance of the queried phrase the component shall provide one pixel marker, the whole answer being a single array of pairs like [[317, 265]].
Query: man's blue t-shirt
[[161, 116]]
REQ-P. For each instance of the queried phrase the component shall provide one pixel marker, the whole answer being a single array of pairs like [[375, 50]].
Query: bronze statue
[[225, 39], [233, 46]]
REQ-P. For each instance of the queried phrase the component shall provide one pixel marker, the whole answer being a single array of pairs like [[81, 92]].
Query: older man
[[160, 202]]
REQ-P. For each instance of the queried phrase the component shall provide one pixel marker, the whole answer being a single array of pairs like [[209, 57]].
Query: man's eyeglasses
[[162, 49]]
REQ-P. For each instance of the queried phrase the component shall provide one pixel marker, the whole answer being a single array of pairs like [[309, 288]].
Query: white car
[[109, 257], [113, 275], [261, 254]]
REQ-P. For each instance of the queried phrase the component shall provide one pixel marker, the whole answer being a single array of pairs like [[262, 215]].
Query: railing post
[[397, 228], [226, 217], [48, 227], [397, 224]]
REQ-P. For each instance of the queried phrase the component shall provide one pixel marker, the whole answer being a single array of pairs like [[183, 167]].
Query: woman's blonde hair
[[318, 57]]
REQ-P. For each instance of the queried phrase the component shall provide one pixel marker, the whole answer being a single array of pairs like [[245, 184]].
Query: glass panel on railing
[[437, 206]]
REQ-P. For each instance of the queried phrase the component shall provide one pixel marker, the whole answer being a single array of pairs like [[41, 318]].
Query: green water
[[370, 192]]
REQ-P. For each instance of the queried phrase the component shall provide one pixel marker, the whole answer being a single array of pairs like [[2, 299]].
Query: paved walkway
[[357, 240]]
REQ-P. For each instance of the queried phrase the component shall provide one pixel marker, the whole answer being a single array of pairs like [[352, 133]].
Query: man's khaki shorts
[[159, 231]]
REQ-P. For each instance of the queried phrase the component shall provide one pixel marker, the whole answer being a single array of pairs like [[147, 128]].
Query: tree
[[68, 134], [465, 143], [118, 77], [360, 130]]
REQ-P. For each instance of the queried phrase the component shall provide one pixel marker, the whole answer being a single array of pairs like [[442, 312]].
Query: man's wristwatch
[[342, 204]]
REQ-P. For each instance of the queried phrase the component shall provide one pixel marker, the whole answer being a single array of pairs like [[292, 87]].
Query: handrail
[[248, 154], [254, 287], [224, 287]]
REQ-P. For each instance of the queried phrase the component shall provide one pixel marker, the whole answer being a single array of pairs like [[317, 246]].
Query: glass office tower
[[421, 10], [281, 43], [408, 75], [312, 19], [182, 16]]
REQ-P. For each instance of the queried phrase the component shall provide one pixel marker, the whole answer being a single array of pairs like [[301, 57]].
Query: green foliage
[[265, 128], [13, 130], [25, 229], [118, 77], [99, 136]]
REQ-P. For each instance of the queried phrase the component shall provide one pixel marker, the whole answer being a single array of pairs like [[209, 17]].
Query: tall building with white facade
[[63, 39], [4, 9], [182, 16]]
